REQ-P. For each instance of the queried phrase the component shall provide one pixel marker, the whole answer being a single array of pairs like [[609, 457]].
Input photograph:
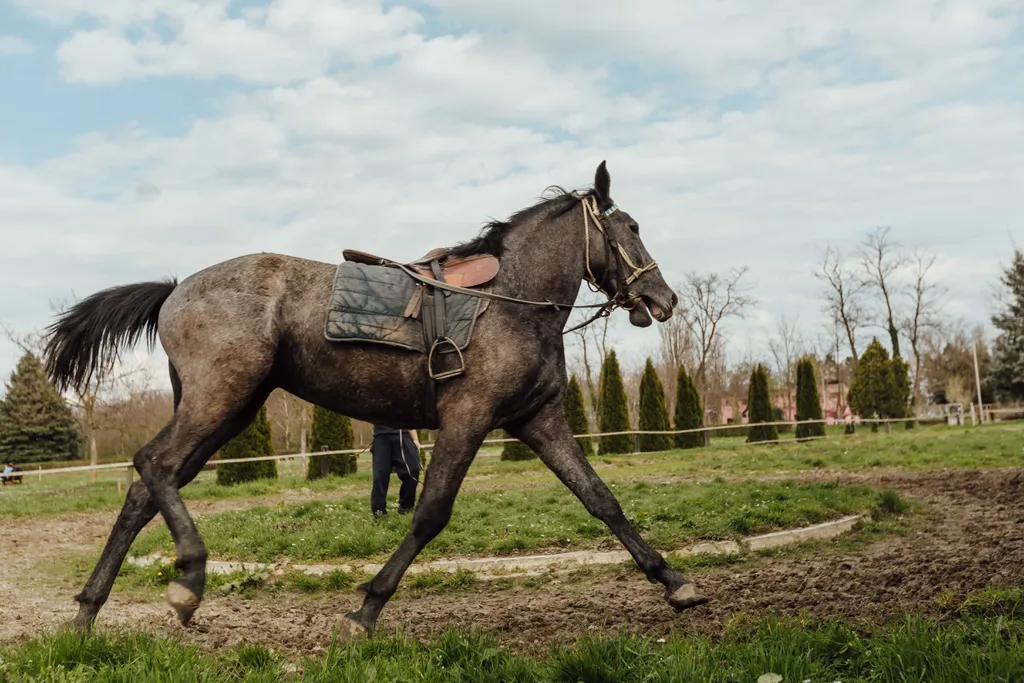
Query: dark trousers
[[391, 452]]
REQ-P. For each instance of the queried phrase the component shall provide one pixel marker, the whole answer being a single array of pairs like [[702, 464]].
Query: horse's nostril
[[675, 299]]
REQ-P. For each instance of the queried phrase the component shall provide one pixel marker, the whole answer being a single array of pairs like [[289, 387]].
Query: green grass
[[510, 522], [925, 449], [976, 649]]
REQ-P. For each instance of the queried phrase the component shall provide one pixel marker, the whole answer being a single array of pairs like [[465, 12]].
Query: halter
[[621, 299]]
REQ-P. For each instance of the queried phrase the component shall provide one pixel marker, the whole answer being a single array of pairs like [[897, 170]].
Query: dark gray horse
[[239, 329]]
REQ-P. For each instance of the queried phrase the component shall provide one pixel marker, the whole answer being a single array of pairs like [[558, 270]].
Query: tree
[[1006, 374], [516, 450], [808, 403], [689, 414], [653, 412], [614, 409], [881, 259], [926, 301], [785, 349], [576, 415], [708, 300], [253, 442], [36, 424], [330, 431], [759, 408], [880, 386], [843, 297]]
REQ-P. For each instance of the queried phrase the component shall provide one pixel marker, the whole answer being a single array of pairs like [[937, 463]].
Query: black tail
[[99, 325]]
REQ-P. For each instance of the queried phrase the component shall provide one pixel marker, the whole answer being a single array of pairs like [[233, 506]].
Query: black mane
[[491, 239]]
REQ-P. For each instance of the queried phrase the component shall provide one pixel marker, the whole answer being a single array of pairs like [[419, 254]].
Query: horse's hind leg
[[549, 436], [136, 513]]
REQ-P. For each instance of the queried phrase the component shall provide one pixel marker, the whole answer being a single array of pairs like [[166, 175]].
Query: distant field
[[922, 449]]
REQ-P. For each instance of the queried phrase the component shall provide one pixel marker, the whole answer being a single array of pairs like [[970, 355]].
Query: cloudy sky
[[144, 138]]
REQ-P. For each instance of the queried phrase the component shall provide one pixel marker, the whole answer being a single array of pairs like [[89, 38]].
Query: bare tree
[[880, 259], [708, 300], [843, 296], [786, 346], [926, 298], [677, 347], [595, 344]]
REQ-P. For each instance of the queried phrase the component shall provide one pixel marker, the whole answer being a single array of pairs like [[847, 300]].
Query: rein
[[620, 300]]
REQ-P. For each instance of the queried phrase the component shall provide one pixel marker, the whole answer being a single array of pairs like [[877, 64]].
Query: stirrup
[[447, 373]]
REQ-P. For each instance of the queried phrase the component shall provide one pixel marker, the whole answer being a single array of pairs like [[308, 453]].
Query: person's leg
[[408, 470], [381, 451]]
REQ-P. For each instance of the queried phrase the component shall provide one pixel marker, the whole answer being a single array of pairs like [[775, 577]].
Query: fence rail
[[489, 442]]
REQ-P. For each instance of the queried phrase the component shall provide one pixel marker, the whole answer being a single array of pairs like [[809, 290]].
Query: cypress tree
[[653, 412], [759, 407], [253, 442], [689, 413], [880, 386], [516, 450], [36, 424], [614, 408], [576, 415], [808, 404], [330, 431]]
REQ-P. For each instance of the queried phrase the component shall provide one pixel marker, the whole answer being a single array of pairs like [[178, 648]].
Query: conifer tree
[[689, 414], [653, 412], [759, 407], [576, 415], [515, 450], [880, 386], [36, 424], [253, 442], [808, 403], [330, 431], [614, 408]]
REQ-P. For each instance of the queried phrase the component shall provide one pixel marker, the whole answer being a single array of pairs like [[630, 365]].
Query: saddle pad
[[369, 304]]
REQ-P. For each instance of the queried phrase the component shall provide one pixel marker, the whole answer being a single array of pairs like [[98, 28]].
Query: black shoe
[[380, 514], [404, 511]]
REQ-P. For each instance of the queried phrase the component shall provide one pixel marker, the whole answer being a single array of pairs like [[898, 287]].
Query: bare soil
[[975, 539]]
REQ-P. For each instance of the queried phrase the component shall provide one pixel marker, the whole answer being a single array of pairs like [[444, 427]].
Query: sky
[[147, 138]]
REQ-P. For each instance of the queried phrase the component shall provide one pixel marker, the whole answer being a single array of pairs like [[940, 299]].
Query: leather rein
[[621, 299]]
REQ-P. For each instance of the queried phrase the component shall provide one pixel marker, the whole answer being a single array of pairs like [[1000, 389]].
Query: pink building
[[834, 397]]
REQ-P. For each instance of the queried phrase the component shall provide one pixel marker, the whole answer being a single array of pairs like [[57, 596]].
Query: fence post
[[636, 442]]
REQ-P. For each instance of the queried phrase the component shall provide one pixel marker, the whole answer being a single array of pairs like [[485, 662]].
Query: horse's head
[[618, 262]]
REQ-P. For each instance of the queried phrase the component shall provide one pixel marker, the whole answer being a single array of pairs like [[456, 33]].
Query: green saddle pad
[[370, 304]]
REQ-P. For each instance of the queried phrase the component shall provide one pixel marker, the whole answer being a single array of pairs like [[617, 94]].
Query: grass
[[924, 449], [972, 648], [503, 523]]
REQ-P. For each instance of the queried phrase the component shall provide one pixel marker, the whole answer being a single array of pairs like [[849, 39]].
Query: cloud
[[736, 134], [15, 45]]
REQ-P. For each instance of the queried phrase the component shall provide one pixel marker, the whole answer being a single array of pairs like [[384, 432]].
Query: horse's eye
[[635, 228]]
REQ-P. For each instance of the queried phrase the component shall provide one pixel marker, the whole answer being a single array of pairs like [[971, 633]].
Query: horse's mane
[[555, 201]]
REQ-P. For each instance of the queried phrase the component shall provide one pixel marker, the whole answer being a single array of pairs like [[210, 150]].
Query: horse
[[235, 331]]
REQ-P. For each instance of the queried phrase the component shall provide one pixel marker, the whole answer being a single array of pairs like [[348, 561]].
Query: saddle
[[375, 300], [461, 271]]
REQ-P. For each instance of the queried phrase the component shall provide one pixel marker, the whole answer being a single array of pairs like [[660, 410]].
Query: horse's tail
[[87, 334]]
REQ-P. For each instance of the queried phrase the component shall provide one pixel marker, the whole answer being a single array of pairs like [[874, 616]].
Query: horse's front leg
[[548, 434], [453, 453]]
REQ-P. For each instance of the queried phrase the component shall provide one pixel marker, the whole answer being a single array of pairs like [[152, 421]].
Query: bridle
[[622, 299]]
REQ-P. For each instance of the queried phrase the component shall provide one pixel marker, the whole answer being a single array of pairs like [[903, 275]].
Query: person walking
[[394, 450]]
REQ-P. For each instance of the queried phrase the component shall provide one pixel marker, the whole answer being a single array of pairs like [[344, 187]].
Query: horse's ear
[[603, 183]]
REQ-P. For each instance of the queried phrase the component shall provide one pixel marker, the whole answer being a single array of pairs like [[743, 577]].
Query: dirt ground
[[975, 538]]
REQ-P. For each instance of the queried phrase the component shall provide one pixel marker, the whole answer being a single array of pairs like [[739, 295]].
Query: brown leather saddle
[[428, 304], [461, 271]]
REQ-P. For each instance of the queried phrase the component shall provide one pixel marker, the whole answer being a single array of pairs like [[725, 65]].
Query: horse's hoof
[[685, 597], [184, 602], [349, 629], [79, 625]]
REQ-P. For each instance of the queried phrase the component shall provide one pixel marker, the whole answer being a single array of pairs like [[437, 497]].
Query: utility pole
[[977, 380]]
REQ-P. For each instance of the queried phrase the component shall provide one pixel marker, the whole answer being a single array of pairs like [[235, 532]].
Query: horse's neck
[[546, 259]]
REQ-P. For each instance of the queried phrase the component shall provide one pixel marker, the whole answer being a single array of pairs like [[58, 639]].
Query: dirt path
[[977, 540]]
